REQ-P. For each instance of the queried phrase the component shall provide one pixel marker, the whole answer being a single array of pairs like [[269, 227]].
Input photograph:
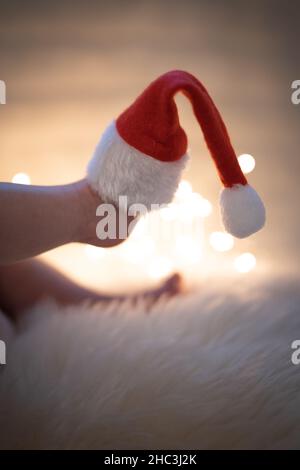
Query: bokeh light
[[169, 213], [160, 267], [21, 178], [199, 205], [188, 250], [221, 241], [246, 162], [184, 190], [137, 251], [245, 263]]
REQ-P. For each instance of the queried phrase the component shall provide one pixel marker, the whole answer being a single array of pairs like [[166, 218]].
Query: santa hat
[[143, 152]]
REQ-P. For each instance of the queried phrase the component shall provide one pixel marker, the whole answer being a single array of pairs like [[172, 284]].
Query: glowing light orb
[[160, 267], [140, 228], [146, 246], [245, 263], [94, 253], [200, 206], [246, 162], [21, 178], [221, 241], [184, 190], [168, 213], [187, 250], [136, 251], [129, 252]]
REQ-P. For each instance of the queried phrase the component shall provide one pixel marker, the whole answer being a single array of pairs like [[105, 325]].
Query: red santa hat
[[143, 152]]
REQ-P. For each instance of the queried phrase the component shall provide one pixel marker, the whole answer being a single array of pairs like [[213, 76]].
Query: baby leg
[[24, 283]]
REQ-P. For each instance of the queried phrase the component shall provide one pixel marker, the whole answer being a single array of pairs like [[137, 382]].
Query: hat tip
[[242, 210]]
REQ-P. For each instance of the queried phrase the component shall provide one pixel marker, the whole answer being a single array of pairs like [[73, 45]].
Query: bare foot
[[33, 281], [89, 201]]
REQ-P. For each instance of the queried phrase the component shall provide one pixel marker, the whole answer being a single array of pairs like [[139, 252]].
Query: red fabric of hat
[[151, 124]]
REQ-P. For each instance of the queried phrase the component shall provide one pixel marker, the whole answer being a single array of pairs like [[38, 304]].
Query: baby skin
[[35, 219]]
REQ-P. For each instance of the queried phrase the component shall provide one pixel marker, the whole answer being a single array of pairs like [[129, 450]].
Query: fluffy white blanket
[[210, 370]]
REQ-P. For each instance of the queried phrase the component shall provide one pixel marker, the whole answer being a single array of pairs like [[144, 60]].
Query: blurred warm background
[[70, 67]]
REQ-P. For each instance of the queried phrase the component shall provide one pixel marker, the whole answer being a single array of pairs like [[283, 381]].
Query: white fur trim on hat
[[117, 169], [242, 210]]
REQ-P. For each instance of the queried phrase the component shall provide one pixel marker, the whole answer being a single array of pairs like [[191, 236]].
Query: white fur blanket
[[210, 370]]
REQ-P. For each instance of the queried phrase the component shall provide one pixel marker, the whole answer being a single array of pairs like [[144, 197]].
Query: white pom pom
[[242, 210]]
